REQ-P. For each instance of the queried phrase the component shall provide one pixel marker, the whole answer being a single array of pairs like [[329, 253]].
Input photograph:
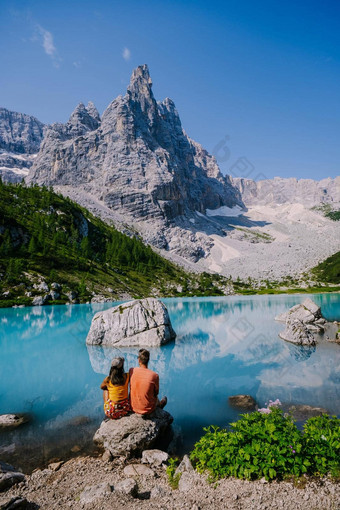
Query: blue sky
[[265, 74]]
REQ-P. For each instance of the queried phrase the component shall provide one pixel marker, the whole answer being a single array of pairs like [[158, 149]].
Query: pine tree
[[32, 246], [6, 244]]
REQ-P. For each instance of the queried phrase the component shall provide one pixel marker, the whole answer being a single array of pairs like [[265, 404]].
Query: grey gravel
[[54, 490]]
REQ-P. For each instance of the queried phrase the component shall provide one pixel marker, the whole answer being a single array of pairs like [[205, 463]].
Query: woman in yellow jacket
[[116, 391]]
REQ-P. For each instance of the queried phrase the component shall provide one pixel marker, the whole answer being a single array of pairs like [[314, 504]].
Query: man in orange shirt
[[144, 386]]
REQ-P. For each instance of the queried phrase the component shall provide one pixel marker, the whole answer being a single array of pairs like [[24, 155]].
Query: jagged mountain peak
[[140, 82], [139, 92], [92, 110], [78, 112], [83, 119], [139, 163]]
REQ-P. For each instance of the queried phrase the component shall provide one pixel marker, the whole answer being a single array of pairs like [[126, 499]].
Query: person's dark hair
[[117, 375], [143, 356]]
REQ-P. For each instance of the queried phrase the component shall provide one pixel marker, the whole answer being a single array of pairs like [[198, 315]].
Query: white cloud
[[47, 42], [126, 54]]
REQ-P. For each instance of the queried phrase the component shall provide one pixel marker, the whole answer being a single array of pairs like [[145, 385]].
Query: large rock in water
[[307, 312], [298, 333], [305, 324], [242, 402], [11, 421], [301, 412], [133, 434], [144, 322]]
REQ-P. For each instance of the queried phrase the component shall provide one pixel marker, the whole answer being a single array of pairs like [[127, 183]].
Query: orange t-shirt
[[144, 388]]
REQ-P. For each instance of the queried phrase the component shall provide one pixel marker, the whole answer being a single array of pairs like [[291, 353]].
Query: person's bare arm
[[103, 385]]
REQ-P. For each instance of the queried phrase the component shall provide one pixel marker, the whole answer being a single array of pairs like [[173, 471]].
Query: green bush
[[321, 440], [171, 472], [269, 445]]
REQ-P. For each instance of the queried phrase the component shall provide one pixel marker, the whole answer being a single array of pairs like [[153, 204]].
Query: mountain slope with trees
[[46, 238]]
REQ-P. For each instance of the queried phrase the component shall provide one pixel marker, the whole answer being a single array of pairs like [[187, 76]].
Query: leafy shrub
[[270, 445], [321, 440], [257, 445]]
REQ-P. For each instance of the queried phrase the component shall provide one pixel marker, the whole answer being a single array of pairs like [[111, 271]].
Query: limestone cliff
[[20, 139], [137, 161], [279, 191]]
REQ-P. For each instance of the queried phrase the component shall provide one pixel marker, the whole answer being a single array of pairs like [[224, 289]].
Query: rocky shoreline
[[94, 483], [116, 478]]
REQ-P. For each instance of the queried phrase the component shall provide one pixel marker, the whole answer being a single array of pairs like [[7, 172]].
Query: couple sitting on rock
[[144, 388]]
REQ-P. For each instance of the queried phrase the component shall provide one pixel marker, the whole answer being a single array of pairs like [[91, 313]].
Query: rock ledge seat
[[131, 435]]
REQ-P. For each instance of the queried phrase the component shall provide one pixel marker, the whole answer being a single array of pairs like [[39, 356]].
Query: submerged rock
[[242, 402], [143, 322], [305, 324], [133, 434], [301, 412]]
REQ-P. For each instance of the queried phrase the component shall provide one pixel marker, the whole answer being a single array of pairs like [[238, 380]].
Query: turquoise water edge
[[224, 346]]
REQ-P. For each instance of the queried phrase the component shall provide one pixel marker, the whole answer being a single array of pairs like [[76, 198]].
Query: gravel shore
[[93, 483]]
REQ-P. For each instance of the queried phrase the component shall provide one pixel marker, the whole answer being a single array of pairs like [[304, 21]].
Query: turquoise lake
[[224, 346]]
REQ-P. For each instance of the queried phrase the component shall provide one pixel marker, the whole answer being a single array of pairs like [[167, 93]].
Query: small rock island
[[142, 322], [306, 326]]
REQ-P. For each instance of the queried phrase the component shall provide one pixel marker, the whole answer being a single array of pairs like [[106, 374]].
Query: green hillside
[[329, 269], [45, 237]]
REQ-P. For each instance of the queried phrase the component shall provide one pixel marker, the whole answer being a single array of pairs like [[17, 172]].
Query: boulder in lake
[[12, 421], [305, 324], [142, 322], [301, 412], [298, 333], [308, 312], [245, 402], [133, 434]]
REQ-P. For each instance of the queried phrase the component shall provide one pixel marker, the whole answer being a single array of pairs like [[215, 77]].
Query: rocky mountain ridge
[[135, 167], [140, 164], [20, 139], [280, 191]]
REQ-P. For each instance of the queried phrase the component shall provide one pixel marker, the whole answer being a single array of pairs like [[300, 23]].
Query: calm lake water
[[224, 346]]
